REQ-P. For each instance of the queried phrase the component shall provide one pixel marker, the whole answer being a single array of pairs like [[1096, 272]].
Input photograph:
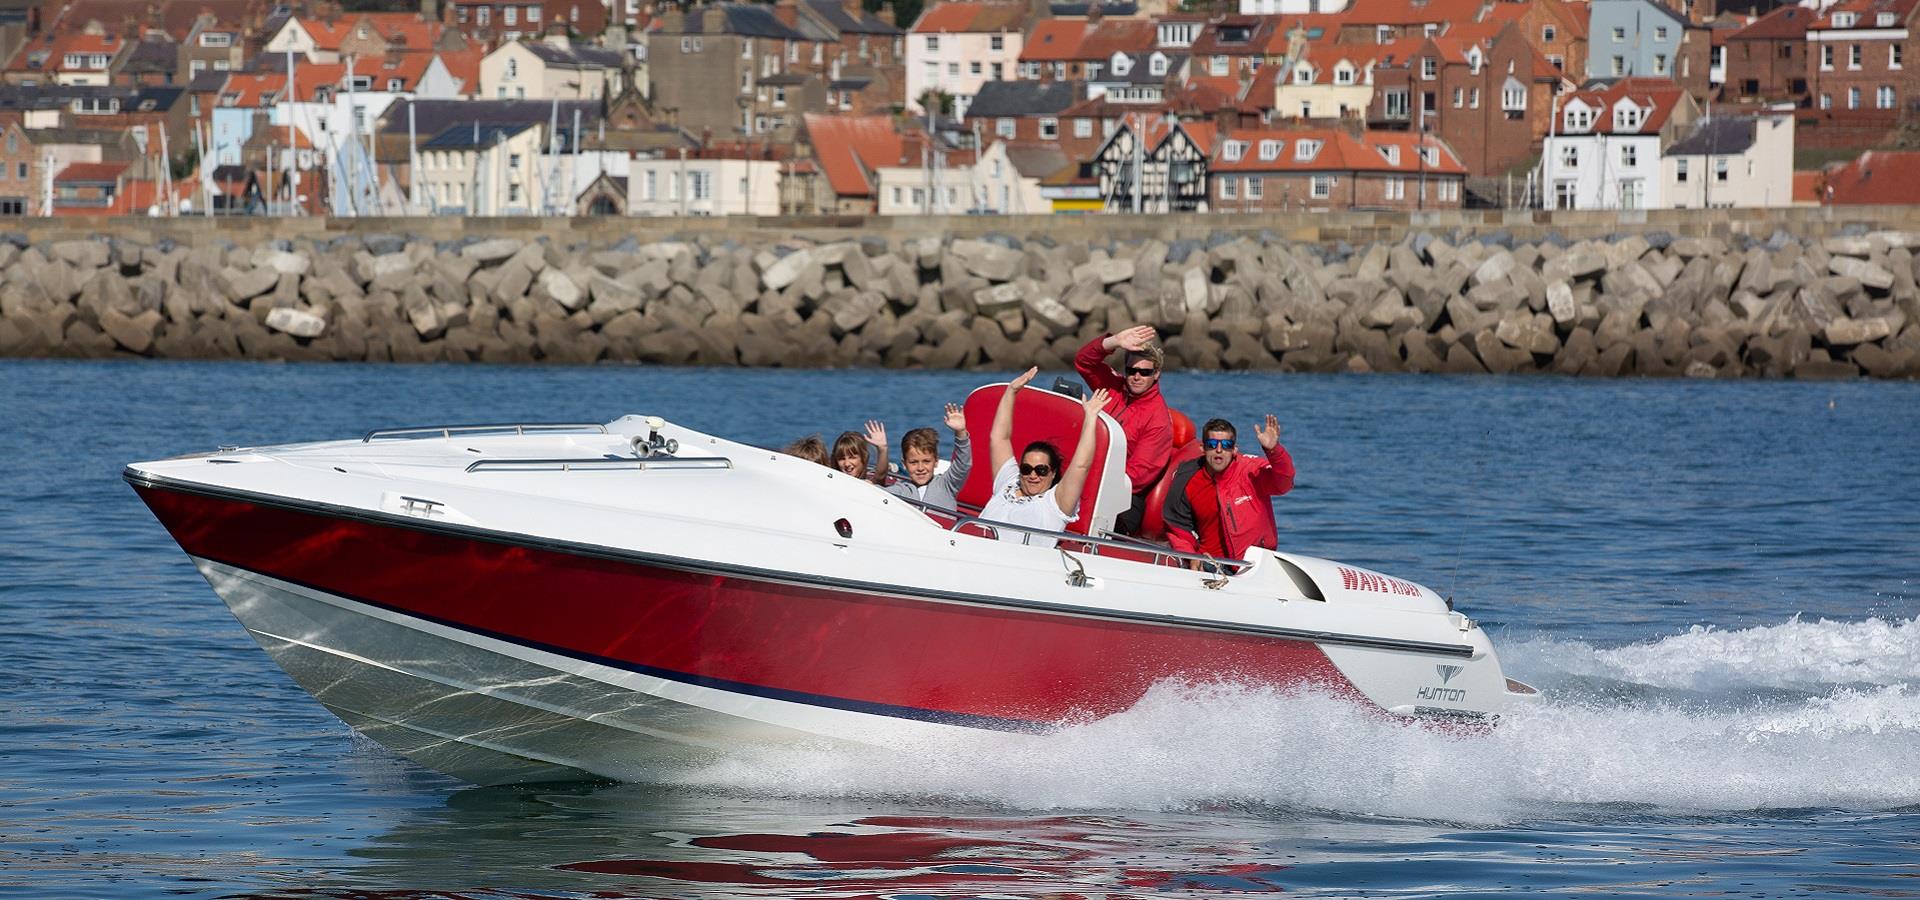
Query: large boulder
[[297, 322]]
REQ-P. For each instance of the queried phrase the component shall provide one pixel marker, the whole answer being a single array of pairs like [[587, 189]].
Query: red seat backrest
[[1153, 523], [1038, 415], [1183, 433]]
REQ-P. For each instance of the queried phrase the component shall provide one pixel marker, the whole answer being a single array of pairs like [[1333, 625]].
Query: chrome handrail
[[519, 429], [598, 463], [1160, 554]]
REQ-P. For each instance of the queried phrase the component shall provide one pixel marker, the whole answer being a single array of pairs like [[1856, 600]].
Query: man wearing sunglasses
[[1222, 503], [1137, 406]]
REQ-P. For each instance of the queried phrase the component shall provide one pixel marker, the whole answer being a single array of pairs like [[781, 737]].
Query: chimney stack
[[788, 12]]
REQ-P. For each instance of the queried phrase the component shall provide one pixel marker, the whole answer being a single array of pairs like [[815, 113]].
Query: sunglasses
[[1217, 443], [1142, 371], [1043, 470]]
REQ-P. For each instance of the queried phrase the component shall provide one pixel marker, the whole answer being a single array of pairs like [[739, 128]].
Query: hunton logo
[[1447, 672]]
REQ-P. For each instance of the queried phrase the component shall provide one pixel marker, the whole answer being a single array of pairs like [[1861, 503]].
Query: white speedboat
[[554, 602]]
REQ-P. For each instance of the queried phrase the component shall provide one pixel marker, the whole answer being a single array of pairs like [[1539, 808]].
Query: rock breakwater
[[1631, 304]]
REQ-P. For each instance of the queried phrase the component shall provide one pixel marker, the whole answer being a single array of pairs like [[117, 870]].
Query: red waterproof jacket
[[1144, 419], [1225, 515]]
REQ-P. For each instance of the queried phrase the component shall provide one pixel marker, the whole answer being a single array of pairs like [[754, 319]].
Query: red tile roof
[[1866, 14], [1785, 23], [849, 148], [464, 65], [253, 90], [1412, 12], [1878, 177], [91, 172], [1119, 36], [1807, 186], [1055, 40], [975, 17], [1339, 151], [1659, 95], [308, 78]]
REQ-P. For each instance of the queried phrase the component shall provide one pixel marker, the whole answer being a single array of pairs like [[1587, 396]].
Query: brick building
[[1860, 59], [1477, 96], [1767, 59], [1332, 169]]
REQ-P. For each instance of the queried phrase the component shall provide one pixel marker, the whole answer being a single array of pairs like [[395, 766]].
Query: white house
[[1733, 161], [483, 169], [1604, 149], [987, 185], [530, 70], [1290, 7], [713, 182], [956, 47]]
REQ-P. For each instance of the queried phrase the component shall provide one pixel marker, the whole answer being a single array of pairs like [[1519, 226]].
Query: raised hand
[[1269, 433], [1023, 378], [1135, 338], [1096, 402], [956, 419], [876, 434]]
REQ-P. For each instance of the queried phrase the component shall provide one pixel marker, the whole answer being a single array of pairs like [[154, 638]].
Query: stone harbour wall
[[1839, 300]]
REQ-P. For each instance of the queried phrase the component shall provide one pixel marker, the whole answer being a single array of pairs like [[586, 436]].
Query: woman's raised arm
[[1074, 480], [1000, 440]]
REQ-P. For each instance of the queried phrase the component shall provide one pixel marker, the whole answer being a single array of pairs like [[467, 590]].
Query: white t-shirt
[[1011, 506]]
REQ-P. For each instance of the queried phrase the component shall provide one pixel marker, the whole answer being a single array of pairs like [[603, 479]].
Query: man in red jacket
[[1137, 405], [1222, 503]]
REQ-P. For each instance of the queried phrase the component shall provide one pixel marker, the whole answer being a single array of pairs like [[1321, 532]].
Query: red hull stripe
[[974, 664]]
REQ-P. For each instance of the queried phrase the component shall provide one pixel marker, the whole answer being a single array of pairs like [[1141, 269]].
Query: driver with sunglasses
[[1137, 406], [1222, 503]]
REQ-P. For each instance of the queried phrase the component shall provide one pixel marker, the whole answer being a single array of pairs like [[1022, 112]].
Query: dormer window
[[1884, 20], [1121, 65], [1626, 117], [1305, 151], [1234, 149], [1269, 150], [1390, 153], [216, 39], [1430, 156], [1579, 118], [1343, 74], [1843, 20], [1157, 65], [1303, 74]]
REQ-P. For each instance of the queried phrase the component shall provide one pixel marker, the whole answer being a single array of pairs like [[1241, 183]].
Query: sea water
[[1716, 585]]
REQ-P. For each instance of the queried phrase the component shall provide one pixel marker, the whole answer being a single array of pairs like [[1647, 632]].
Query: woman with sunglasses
[[1033, 490]]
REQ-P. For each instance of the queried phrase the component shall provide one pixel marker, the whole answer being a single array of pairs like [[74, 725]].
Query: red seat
[[1153, 524]]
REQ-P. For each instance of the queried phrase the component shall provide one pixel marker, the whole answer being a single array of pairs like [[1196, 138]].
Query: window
[[652, 185], [1843, 20], [793, 51], [1157, 65], [1390, 153], [1720, 170], [1548, 34], [973, 68], [1270, 150], [1629, 156], [1619, 34], [485, 15], [1558, 63], [1884, 20], [513, 189], [1513, 98], [1893, 56], [1569, 156], [1619, 66], [1229, 187], [1083, 128], [1826, 57], [533, 14], [898, 195], [1473, 98], [1631, 193], [1459, 97], [1049, 128], [996, 72], [1306, 109], [510, 15], [1003, 127], [779, 96], [1255, 188], [997, 43], [1626, 117], [1883, 98], [1429, 103], [1395, 103], [1429, 68], [1396, 188], [1659, 64], [1660, 34], [1680, 170], [953, 69], [1853, 56], [1234, 149], [1826, 101], [699, 185], [1343, 74], [1306, 150], [1217, 66], [216, 39], [1303, 74], [933, 43], [223, 65], [395, 85], [1322, 187], [1383, 34], [1853, 98], [1429, 30]]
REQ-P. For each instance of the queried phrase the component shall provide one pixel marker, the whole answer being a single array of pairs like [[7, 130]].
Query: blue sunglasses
[[1217, 443]]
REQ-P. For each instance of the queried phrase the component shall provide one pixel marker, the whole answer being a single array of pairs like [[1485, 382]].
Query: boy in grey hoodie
[[920, 454]]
